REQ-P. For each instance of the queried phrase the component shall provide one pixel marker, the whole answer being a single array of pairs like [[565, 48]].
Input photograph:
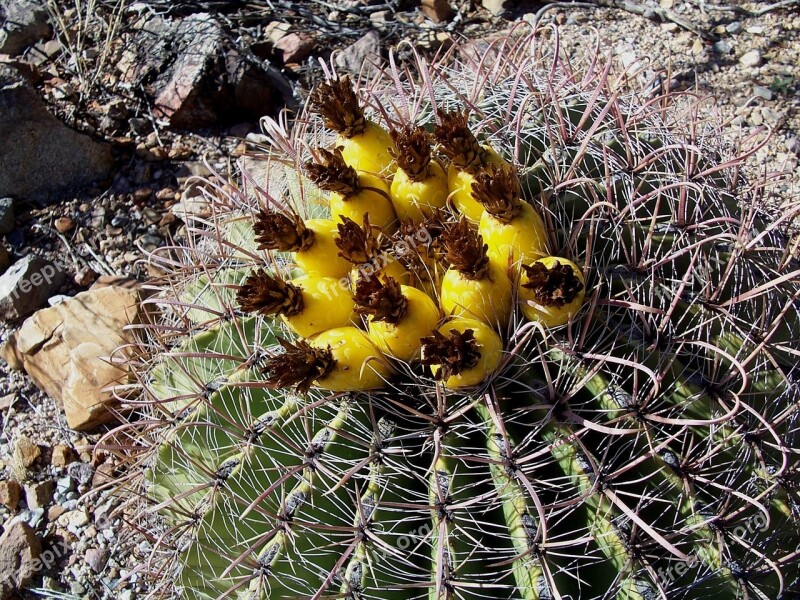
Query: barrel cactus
[[636, 442]]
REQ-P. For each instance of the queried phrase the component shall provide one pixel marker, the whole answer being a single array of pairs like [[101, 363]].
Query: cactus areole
[[572, 374]]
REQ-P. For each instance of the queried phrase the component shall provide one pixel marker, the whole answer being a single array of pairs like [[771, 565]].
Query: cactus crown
[[657, 427]]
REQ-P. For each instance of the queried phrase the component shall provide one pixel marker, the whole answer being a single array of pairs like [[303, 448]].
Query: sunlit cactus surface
[[500, 325]]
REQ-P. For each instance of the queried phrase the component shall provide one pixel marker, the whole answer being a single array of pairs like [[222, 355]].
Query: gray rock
[[27, 285], [762, 92], [81, 472], [734, 27], [359, 56], [96, 558], [25, 23], [42, 157], [19, 558], [793, 145], [723, 47], [6, 215], [197, 77], [63, 485]]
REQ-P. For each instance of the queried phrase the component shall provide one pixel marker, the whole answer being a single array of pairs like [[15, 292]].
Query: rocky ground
[[161, 93]]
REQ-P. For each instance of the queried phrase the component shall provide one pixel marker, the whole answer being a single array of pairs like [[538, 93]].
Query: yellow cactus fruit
[[342, 359], [462, 352], [473, 286], [551, 291], [312, 241], [467, 157], [398, 316], [353, 194], [308, 304], [511, 228], [419, 186], [365, 145]]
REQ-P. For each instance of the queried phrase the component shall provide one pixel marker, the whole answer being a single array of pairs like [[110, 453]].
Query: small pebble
[[751, 58], [64, 224]]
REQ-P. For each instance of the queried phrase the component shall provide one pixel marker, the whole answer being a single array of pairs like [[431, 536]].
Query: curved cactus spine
[[642, 450]]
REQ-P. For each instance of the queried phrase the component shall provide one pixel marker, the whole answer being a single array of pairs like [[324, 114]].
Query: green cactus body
[[645, 450]]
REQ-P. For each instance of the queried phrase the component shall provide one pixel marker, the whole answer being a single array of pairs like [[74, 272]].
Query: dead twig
[[655, 13], [741, 10]]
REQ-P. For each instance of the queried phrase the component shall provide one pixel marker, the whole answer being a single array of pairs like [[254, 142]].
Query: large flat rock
[[42, 158], [66, 349]]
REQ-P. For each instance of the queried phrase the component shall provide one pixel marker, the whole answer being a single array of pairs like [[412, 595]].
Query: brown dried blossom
[[498, 190], [300, 365], [458, 143], [358, 244], [454, 354], [277, 231], [265, 294], [333, 174], [554, 286], [465, 250], [337, 103], [381, 300], [412, 151]]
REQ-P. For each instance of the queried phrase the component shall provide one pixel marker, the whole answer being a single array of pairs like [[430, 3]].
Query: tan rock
[[39, 495], [54, 512], [19, 557], [437, 11], [496, 7], [10, 493], [62, 456], [65, 351], [10, 354], [26, 452]]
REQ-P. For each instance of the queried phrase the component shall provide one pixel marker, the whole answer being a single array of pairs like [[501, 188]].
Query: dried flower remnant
[[299, 365], [380, 300], [277, 231], [265, 294], [333, 174], [498, 190], [465, 250], [554, 286], [412, 151], [458, 143], [454, 354], [358, 244], [337, 103]]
